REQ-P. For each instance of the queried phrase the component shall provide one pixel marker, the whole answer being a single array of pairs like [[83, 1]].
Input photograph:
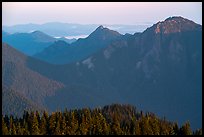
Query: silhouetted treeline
[[110, 120]]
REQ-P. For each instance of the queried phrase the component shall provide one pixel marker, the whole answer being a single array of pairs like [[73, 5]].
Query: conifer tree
[[63, 125], [74, 124], [52, 123], [137, 128], [4, 127], [34, 125], [116, 130], [185, 129], [38, 116], [25, 127], [83, 125], [43, 126], [57, 128], [154, 123], [12, 127], [19, 129], [198, 132], [105, 126], [145, 126], [176, 129], [99, 127]]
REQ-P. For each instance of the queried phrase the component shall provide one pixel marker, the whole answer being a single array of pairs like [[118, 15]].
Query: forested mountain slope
[[17, 76]]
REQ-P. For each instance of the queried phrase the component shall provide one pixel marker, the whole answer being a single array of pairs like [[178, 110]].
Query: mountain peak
[[100, 27], [175, 18], [175, 24], [38, 33], [103, 32]]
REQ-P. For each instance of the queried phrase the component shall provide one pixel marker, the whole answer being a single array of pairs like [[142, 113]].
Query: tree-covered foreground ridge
[[115, 119]]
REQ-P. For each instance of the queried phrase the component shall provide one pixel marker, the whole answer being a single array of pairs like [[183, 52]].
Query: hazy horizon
[[138, 23], [109, 13]]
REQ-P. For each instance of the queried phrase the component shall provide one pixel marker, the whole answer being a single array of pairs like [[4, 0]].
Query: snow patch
[[88, 63]]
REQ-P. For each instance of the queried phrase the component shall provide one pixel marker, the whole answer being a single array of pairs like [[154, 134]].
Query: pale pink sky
[[98, 12]]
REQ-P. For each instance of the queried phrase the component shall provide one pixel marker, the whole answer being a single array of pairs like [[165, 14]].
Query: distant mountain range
[[57, 29], [159, 70], [31, 43], [63, 53]]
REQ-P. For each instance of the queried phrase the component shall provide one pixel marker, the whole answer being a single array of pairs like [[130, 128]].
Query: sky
[[129, 13]]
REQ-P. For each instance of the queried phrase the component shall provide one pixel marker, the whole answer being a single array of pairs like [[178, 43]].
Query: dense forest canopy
[[115, 119]]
